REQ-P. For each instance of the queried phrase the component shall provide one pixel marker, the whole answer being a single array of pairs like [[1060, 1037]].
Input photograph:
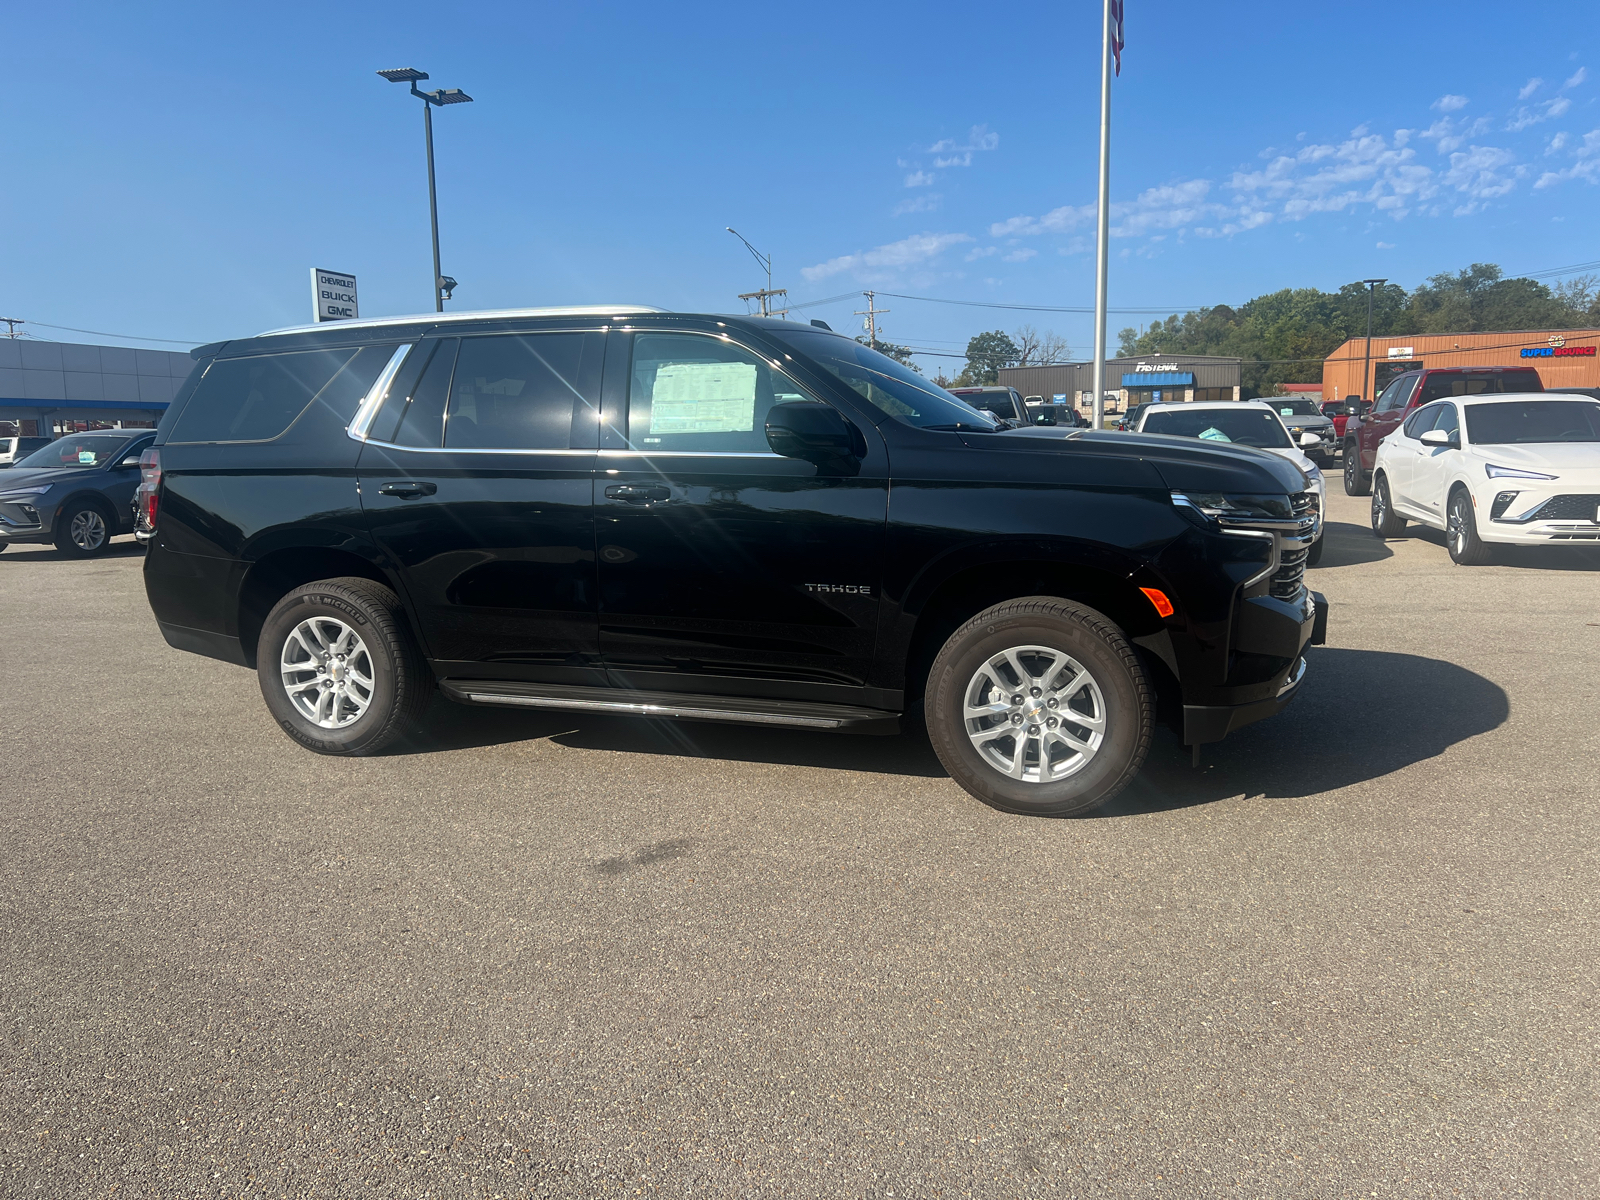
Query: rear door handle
[[633, 493], [410, 489]]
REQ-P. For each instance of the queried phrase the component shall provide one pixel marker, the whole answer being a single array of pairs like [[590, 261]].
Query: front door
[[478, 488], [1433, 464], [725, 568], [1384, 418]]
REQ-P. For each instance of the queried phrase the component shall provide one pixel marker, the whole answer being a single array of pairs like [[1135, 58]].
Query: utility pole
[[13, 322], [1366, 370], [1110, 45], [871, 313], [766, 294]]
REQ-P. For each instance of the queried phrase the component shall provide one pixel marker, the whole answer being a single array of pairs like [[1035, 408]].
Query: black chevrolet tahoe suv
[[623, 510]]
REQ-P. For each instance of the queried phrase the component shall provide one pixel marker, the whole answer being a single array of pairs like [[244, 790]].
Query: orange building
[[1563, 358]]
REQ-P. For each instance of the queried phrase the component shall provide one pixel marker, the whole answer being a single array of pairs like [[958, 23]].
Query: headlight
[[21, 492], [1217, 504], [1495, 472]]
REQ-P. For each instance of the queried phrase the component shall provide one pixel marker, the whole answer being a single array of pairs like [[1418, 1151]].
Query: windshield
[[1533, 421], [1243, 427], [1296, 408], [887, 385], [78, 450]]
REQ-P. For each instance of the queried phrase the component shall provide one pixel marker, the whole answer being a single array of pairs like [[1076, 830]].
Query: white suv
[[1520, 469]]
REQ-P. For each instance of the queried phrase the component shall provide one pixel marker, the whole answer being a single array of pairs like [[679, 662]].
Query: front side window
[[689, 392], [1244, 427], [1419, 422], [78, 450], [890, 387], [522, 391], [1532, 422], [1390, 399], [1449, 420]]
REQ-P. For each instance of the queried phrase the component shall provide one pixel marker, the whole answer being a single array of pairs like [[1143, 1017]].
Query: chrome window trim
[[489, 314], [367, 411], [471, 449], [691, 454]]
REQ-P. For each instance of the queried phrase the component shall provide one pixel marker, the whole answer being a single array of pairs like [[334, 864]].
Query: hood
[[1538, 456], [1185, 464], [1315, 422], [15, 478]]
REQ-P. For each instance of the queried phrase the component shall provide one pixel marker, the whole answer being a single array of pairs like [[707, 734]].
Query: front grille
[[1566, 508], [1304, 503], [1288, 579], [1293, 538]]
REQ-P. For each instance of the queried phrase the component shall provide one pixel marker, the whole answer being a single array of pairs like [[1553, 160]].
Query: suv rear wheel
[[1040, 706], [339, 669]]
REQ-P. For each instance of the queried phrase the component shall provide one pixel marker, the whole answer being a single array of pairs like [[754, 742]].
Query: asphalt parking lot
[[1352, 955]]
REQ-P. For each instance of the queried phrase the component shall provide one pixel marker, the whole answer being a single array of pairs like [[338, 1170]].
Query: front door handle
[[634, 493], [410, 489]]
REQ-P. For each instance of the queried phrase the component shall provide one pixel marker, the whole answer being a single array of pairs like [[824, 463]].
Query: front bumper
[[1204, 723]]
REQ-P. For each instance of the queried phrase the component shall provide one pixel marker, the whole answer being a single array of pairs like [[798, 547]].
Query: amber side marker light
[[1159, 599]]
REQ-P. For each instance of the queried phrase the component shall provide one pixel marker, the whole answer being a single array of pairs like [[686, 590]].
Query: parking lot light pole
[[1366, 371], [443, 286]]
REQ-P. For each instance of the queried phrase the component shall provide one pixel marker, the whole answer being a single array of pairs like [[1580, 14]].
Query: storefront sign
[[1558, 352], [333, 296], [1401, 351], [1156, 366]]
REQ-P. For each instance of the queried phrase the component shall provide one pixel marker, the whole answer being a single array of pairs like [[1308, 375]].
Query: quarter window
[[688, 392], [256, 399]]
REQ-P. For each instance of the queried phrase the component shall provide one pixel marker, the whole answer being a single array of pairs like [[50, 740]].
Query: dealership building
[[1130, 381], [1563, 357], [47, 388]]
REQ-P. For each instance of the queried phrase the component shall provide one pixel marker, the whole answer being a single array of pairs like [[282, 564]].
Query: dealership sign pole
[[1111, 44], [333, 296]]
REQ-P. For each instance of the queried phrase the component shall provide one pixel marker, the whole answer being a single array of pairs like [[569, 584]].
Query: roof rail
[[487, 314]]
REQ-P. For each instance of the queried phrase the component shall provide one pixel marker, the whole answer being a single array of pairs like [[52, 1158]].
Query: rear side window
[[522, 391], [1439, 386], [256, 399]]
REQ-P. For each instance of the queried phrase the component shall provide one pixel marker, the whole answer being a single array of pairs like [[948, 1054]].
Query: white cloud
[[1482, 173], [978, 252], [979, 138], [1448, 103], [923, 203], [1576, 78], [1385, 245], [908, 252], [1451, 135], [1556, 143], [1022, 255], [1529, 88], [1533, 114], [918, 179], [1585, 164]]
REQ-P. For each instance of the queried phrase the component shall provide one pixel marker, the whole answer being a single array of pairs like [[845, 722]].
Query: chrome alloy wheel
[[1034, 714], [88, 530], [327, 672], [1456, 527]]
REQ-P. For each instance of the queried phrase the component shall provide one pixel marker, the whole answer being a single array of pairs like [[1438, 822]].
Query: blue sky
[[173, 170]]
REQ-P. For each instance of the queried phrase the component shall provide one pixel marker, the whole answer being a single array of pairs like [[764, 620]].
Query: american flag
[[1116, 33]]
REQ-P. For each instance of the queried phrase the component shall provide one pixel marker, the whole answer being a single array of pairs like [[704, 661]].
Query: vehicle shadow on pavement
[[1526, 558], [1347, 545], [1361, 715], [1409, 709], [35, 552]]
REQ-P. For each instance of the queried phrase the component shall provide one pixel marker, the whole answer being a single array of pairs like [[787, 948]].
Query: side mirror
[[1435, 437], [1310, 439], [810, 430], [129, 462]]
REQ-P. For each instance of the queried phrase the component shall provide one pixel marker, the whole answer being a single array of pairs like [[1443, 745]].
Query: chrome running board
[[675, 706]]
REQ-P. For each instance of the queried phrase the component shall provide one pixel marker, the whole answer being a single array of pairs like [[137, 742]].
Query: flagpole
[[1103, 248]]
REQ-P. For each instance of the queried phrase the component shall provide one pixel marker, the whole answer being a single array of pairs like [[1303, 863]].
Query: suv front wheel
[[339, 669], [1040, 706]]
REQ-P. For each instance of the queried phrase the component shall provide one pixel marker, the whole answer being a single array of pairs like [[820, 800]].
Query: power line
[[127, 337]]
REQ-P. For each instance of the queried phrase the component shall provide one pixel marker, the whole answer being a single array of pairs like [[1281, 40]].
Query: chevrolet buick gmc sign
[[333, 295]]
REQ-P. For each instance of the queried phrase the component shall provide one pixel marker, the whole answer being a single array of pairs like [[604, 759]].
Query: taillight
[[149, 489]]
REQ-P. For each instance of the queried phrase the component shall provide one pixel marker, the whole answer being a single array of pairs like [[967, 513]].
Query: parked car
[[75, 491], [1592, 392], [1338, 412], [1367, 427], [1241, 423], [1516, 470], [1004, 402], [713, 518], [1130, 419], [14, 449], [1302, 416]]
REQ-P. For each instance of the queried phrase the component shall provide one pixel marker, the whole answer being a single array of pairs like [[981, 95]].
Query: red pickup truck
[[1338, 412], [1365, 429]]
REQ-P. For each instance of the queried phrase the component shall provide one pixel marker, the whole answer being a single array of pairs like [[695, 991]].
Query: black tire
[[1356, 481], [1125, 697], [401, 682], [84, 529], [1315, 555], [1461, 532], [1385, 522]]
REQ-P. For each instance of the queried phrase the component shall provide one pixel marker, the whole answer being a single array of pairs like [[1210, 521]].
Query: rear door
[[724, 567], [477, 482]]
